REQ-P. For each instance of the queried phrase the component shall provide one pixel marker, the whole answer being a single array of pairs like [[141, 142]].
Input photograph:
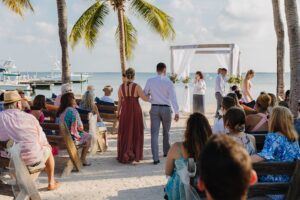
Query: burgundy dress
[[131, 127]]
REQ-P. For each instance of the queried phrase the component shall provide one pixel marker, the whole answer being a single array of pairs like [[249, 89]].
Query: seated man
[[225, 169], [25, 130], [107, 93]]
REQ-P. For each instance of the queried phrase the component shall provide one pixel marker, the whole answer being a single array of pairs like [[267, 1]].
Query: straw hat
[[11, 97], [107, 88], [90, 88]]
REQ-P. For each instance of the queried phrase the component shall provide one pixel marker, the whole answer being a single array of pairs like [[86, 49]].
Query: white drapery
[[232, 66]]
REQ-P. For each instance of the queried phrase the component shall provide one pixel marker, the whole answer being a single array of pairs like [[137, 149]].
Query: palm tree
[[279, 29], [291, 13], [18, 6], [63, 38], [89, 25]]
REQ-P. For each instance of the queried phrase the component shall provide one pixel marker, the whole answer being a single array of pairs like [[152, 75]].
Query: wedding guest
[[225, 169], [247, 109], [131, 125], [234, 122], [281, 144], [24, 101], [107, 94], [195, 137], [199, 92], [24, 129], [247, 86], [162, 96], [259, 122], [236, 100], [219, 128], [220, 88], [65, 88], [297, 121], [39, 103], [68, 114], [273, 102]]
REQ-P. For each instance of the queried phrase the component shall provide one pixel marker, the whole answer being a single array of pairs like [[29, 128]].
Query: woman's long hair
[[282, 121], [87, 101], [39, 102], [196, 135], [65, 102]]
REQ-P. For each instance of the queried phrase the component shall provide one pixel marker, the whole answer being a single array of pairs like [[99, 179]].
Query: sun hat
[[107, 88], [11, 97], [90, 88], [66, 88]]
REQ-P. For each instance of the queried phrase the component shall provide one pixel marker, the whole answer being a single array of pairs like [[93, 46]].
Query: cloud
[[182, 5], [46, 28]]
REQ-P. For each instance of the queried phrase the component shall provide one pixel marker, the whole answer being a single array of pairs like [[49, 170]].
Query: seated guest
[[297, 121], [259, 122], [68, 114], [236, 100], [273, 102], [281, 144], [225, 170], [1, 100], [87, 102], [246, 108], [107, 93], [39, 103], [196, 135], [65, 88], [219, 127], [25, 130], [24, 101], [234, 121]]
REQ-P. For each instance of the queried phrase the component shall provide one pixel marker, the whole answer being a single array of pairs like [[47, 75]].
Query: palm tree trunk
[[63, 37], [120, 9], [279, 29], [291, 13]]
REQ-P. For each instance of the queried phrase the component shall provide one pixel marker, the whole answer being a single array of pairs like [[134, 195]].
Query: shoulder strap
[[133, 89], [123, 90], [264, 119]]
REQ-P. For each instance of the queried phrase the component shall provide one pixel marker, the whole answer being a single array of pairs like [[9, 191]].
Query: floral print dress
[[278, 148]]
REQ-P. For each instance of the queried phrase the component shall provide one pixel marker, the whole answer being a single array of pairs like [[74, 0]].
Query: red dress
[[131, 127]]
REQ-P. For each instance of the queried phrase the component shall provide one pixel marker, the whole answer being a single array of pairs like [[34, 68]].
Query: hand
[[176, 118]]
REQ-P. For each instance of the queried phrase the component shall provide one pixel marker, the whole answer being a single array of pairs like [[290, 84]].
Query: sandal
[[86, 164], [53, 186]]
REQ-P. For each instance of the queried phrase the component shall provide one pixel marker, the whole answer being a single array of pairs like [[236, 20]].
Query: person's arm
[[141, 93], [119, 102], [147, 89], [78, 119], [256, 158], [252, 140], [174, 101], [268, 151], [247, 88], [169, 167], [96, 111], [204, 85]]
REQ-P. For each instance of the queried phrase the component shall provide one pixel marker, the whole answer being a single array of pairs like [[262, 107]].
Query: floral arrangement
[[174, 78], [235, 80], [186, 80]]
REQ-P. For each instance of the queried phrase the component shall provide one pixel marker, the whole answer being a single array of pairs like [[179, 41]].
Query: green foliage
[[130, 37], [186, 80], [235, 80], [18, 6], [89, 25], [174, 78]]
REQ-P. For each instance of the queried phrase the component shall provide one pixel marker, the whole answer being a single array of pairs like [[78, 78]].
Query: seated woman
[[69, 115], [281, 144], [273, 102], [196, 135], [39, 103], [259, 122], [234, 121], [247, 109], [219, 127]]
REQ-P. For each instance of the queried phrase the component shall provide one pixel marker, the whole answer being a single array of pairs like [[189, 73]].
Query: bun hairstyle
[[238, 94], [235, 119], [263, 102], [234, 88], [130, 73]]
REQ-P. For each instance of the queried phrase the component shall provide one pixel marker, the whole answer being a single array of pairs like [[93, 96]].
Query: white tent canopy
[[228, 56]]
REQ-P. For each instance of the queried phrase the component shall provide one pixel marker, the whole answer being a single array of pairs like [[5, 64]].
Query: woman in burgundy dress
[[131, 126]]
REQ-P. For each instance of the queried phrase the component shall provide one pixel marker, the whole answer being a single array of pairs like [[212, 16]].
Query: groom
[[162, 93]]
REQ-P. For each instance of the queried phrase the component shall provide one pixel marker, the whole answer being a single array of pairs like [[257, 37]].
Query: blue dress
[[175, 188], [278, 148]]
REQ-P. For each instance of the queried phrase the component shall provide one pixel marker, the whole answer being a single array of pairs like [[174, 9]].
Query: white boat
[[10, 80]]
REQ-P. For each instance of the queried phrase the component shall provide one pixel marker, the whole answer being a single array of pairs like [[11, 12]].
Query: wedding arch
[[228, 56]]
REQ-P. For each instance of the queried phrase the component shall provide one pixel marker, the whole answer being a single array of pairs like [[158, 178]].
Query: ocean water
[[261, 82]]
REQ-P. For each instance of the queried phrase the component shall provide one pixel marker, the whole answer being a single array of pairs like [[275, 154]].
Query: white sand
[[108, 179]]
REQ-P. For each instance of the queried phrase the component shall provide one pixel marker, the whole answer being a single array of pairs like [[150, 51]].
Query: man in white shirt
[[220, 91], [107, 94], [162, 96]]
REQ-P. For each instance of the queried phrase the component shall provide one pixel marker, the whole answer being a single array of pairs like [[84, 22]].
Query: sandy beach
[[108, 179]]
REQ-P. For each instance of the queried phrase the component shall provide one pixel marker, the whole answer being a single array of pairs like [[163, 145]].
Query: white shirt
[[220, 85], [219, 127], [162, 92], [199, 87], [107, 99]]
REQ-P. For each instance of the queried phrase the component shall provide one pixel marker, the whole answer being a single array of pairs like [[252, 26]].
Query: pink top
[[24, 129]]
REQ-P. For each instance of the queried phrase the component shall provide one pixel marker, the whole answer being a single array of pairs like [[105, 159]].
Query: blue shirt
[[1, 106]]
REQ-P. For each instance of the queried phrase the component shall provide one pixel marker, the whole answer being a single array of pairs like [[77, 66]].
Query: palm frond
[[130, 37], [157, 19], [18, 6], [89, 25]]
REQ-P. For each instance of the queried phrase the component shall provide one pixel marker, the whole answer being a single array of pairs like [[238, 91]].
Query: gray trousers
[[159, 115], [219, 98], [198, 103]]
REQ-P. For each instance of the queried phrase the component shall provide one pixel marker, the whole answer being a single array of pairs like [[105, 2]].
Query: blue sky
[[33, 41]]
